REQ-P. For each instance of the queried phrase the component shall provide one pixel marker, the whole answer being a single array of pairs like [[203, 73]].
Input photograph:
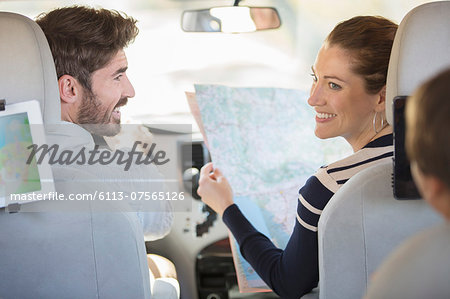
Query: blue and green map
[[263, 141]]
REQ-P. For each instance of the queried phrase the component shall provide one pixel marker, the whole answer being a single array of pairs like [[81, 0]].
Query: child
[[420, 268]]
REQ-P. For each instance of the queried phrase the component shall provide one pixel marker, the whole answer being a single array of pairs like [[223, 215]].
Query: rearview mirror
[[230, 19]]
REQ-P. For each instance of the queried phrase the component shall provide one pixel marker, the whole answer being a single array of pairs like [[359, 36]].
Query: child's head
[[428, 140]]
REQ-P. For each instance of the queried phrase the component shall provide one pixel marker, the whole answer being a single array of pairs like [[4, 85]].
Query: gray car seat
[[59, 254]]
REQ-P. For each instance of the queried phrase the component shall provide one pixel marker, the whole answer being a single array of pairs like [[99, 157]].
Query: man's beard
[[96, 118]]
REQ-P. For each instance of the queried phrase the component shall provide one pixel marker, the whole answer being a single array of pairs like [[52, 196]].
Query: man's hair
[[428, 127], [84, 39], [369, 40]]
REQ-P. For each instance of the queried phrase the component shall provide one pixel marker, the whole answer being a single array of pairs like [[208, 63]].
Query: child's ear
[[433, 190], [437, 189]]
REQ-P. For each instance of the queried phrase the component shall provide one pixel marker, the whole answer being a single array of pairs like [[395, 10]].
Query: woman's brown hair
[[369, 40], [84, 39]]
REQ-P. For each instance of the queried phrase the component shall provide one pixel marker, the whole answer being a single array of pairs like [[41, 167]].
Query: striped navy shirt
[[294, 271], [328, 179]]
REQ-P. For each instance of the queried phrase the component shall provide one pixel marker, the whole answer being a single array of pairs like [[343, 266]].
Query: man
[[88, 49], [87, 46], [420, 267]]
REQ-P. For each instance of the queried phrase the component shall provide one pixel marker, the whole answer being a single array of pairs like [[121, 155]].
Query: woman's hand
[[214, 189]]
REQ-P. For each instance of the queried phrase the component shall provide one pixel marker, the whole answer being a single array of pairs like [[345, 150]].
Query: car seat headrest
[[27, 66], [421, 49]]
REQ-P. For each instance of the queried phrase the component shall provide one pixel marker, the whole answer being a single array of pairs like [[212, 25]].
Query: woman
[[348, 94]]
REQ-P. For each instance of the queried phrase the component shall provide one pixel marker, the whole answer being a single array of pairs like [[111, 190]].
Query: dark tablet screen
[[404, 187]]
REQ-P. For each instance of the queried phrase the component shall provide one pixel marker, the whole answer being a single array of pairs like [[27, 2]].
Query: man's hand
[[214, 189]]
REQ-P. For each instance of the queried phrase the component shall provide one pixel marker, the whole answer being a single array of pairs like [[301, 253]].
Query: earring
[[375, 121]]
